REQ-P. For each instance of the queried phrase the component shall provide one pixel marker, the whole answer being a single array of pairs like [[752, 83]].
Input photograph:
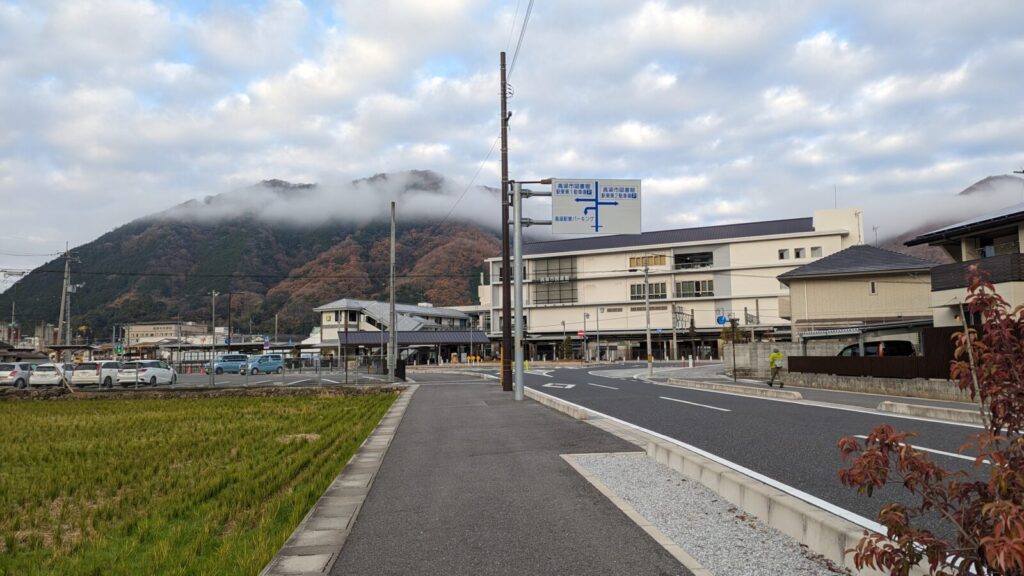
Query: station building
[[697, 278]]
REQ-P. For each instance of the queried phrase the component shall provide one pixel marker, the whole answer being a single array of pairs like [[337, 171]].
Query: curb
[[316, 542], [821, 531], [736, 389], [689, 562], [934, 412]]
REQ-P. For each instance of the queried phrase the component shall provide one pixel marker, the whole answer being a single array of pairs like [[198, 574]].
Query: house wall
[[822, 302]]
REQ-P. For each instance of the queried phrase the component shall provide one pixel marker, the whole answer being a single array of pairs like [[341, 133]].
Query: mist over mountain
[[278, 248]]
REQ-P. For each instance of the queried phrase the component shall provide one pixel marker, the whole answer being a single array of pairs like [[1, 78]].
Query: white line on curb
[[695, 404], [795, 492], [602, 386], [934, 451]]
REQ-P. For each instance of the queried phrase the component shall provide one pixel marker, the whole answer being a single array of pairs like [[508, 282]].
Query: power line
[[522, 34], [471, 180]]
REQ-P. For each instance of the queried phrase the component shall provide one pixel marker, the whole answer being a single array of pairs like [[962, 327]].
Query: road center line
[[933, 451], [602, 386], [695, 404]]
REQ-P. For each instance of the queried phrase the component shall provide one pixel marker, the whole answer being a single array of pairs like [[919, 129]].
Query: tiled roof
[[999, 217], [374, 306], [677, 236], [414, 338], [859, 260]]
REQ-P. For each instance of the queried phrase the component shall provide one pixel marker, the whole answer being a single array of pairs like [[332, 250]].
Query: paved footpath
[[474, 484]]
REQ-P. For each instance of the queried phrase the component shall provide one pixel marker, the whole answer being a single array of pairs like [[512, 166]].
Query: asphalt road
[[790, 442]]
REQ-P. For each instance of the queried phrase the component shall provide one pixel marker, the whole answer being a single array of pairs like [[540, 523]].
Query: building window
[[554, 293], [695, 288], [651, 260], [658, 292], [784, 254], [872, 287], [609, 310], [815, 251], [799, 253], [554, 269], [692, 261]]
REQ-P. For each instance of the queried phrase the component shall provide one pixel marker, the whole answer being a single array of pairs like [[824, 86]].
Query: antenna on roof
[[875, 228], [835, 196]]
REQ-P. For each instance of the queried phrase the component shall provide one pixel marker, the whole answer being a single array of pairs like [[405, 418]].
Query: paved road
[[473, 484], [790, 442]]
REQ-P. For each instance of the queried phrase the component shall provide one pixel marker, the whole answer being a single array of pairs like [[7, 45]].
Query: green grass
[[167, 486]]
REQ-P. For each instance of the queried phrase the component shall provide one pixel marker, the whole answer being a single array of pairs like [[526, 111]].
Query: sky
[[728, 111]]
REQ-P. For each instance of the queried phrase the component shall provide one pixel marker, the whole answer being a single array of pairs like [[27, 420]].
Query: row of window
[[799, 253], [684, 289]]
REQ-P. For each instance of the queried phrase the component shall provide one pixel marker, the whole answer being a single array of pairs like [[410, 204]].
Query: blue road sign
[[722, 320], [595, 206]]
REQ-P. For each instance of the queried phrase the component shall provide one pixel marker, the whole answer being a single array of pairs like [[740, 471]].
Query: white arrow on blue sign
[[595, 206]]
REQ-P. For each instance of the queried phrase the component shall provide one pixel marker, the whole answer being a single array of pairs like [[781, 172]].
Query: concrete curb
[[736, 389], [316, 542], [665, 542], [822, 532], [934, 412]]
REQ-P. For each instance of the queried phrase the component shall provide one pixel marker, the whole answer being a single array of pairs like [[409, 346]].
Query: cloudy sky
[[114, 109]]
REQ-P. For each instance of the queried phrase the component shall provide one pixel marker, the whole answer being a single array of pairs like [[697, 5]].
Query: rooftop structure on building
[[373, 316]]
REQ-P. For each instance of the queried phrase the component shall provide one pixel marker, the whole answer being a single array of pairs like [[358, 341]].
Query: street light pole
[[586, 349], [598, 334], [213, 333], [733, 321]]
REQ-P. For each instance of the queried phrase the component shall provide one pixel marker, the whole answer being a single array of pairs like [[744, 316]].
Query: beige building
[[860, 285], [156, 332], [992, 241], [697, 277]]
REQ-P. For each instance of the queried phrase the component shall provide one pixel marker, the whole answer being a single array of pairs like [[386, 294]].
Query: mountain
[[163, 266]]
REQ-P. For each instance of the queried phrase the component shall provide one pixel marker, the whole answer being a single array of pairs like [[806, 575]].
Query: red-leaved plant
[[987, 514]]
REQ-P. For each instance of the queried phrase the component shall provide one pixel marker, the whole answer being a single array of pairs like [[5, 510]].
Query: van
[[880, 348], [266, 363], [232, 363]]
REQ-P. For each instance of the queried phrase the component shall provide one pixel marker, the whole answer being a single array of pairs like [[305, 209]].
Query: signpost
[[578, 206], [586, 206]]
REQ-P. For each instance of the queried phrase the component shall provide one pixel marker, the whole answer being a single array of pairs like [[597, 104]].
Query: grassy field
[[167, 486]]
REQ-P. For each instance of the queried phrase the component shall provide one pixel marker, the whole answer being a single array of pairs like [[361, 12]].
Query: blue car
[[232, 363], [266, 363]]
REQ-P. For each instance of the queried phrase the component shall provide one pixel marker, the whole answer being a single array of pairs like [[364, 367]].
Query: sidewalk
[[474, 483]]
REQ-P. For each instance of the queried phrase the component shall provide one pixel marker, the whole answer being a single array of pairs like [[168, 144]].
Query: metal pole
[[675, 343], [518, 240], [393, 320], [275, 328], [734, 322], [213, 333], [506, 288], [599, 334], [346, 347], [647, 309], [586, 349]]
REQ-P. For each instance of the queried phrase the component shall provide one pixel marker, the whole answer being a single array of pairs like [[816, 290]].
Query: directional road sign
[[595, 206]]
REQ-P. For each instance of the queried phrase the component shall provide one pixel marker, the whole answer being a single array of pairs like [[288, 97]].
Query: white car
[[150, 372], [101, 372], [15, 374], [50, 374]]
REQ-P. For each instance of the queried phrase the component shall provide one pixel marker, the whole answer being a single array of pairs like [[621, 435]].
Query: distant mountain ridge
[[163, 266]]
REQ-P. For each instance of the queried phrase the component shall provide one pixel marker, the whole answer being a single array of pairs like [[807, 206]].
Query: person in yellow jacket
[[775, 361]]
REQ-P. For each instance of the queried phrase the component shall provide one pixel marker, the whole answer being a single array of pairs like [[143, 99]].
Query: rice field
[[167, 486]]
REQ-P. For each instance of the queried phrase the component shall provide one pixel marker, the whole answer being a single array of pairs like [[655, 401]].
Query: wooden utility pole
[[506, 268], [392, 317]]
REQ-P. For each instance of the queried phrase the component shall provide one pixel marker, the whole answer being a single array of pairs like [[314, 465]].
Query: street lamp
[[599, 334], [586, 350], [213, 333], [647, 311], [562, 343]]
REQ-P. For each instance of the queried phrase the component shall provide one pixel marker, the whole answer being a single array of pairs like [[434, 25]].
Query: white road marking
[[602, 386], [559, 385], [491, 376], [330, 381], [827, 405], [934, 451], [261, 382], [695, 404], [300, 381], [407, 379], [544, 373], [795, 492]]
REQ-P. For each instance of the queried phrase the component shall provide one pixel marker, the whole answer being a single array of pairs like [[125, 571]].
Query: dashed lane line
[[934, 451], [602, 386], [695, 404]]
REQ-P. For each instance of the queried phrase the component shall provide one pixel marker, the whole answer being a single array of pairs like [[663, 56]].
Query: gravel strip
[[721, 537]]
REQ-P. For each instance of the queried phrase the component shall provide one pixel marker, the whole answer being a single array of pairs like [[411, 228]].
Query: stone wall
[[913, 387], [752, 358]]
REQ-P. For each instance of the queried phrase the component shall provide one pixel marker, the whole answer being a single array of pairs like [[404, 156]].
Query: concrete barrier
[[737, 389], [823, 532], [935, 412]]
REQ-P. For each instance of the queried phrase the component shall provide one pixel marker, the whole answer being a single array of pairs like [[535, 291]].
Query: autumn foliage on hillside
[[984, 510]]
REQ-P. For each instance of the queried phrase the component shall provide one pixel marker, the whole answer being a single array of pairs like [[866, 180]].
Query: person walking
[[775, 360]]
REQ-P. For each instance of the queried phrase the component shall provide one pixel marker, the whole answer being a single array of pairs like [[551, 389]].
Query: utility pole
[[213, 332], [64, 298], [647, 309], [675, 343], [230, 340], [275, 328], [733, 321], [586, 349], [599, 334], [392, 318], [506, 286]]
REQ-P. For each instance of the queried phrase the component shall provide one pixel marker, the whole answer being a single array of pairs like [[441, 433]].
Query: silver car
[[50, 374], [17, 374]]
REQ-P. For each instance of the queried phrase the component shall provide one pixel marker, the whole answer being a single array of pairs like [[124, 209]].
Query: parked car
[[232, 363], [101, 373], [17, 374], [48, 374], [150, 372], [265, 364], [880, 348]]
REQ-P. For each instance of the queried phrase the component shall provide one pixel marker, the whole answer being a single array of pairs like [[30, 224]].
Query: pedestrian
[[775, 360]]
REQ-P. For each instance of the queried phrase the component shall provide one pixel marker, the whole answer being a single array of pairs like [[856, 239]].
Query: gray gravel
[[717, 534]]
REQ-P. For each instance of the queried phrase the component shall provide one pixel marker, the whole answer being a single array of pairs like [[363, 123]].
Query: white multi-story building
[[697, 276]]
